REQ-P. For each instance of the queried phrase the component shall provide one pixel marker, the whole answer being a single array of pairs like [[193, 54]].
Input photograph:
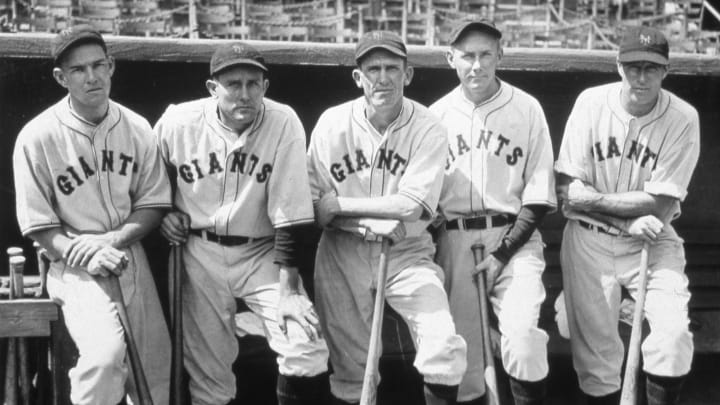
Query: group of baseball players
[[229, 178]]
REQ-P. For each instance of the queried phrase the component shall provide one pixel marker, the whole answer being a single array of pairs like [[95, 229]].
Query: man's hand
[[326, 209], [647, 228], [83, 247], [175, 227], [107, 260], [580, 196], [297, 307], [492, 268], [387, 228]]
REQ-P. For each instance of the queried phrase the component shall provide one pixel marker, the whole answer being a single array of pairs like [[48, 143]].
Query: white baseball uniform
[[72, 174], [349, 156], [499, 159], [615, 152], [242, 186]]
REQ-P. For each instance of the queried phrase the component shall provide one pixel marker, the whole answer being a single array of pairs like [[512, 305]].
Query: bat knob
[[477, 246]]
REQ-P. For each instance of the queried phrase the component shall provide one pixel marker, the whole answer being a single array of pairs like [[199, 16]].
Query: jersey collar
[[613, 102], [403, 119], [213, 120], [70, 119], [463, 104]]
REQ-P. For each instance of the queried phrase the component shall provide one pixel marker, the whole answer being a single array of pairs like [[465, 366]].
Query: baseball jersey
[[349, 156], [69, 171], [230, 184], [615, 152], [499, 154]]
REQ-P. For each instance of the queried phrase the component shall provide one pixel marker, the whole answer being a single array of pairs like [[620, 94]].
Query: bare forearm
[[137, 225], [54, 240], [390, 207], [631, 204]]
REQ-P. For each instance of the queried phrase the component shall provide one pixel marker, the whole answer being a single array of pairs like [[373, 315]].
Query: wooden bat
[[628, 394], [14, 256], [17, 263], [368, 395], [177, 340], [491, 386], [111, 285]]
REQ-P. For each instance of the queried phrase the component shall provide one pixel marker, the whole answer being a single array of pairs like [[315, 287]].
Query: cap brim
[[475, 25], [643, 56], [390, 49], [239, 62]]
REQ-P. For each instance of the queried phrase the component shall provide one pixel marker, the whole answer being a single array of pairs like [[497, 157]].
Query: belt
[[225, 240], [607, 231], [483, 222]]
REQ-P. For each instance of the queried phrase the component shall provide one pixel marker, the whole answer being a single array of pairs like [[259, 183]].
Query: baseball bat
[[491, 385], [14, 255], [628, 395], [43, 265], [177, 339], [18, 272], [368, 395], [111, 285]]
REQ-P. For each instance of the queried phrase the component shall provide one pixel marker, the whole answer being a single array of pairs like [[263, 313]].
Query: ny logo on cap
[[645, 39], [377, 35], [237, 49]]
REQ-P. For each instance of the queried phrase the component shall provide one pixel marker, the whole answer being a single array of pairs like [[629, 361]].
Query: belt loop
[[488, 221], [461, 224], [203, 234]]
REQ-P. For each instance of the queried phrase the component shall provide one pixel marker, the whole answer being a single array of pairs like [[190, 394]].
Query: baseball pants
[[516, 298], [215, 276], [345, 282], [101, 373], [595, 267]]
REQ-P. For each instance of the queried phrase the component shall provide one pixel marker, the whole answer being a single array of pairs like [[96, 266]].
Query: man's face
[[239, 91], [383, 76], [86, 71], [475, 58], [641, 82]]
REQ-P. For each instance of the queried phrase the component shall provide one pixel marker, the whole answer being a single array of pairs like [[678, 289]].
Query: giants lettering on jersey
[[638, 152], [460, 146], [68, 183], [241, 163], [357, 162]]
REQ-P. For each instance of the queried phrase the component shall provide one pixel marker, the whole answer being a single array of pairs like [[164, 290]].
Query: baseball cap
[[67, 38], [237, 53], [482, 24], [387, 40], [643, 44]]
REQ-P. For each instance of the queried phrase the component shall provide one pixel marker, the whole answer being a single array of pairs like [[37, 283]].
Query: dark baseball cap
[[237, 53], [643, 44], [387, 40], [73, 36], [483, 25]]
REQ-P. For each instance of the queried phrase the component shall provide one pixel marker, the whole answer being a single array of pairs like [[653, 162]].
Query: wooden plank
[[24, 328], [37, 45], [28, 309]]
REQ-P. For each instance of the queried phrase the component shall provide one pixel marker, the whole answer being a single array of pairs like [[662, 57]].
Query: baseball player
[[242, 197], [498, 186], [90, 184], [376, 172], [625, 162]]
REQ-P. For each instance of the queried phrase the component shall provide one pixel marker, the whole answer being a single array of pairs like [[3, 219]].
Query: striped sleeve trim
[[428, 210], [39, 227], [300, 221]]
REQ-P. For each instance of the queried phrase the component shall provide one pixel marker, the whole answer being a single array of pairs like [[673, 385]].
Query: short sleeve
[[675, 165], [574, 157], [319, 177], [538, 176], [34, 193], [423, 177], [152, 186], [289, 200]]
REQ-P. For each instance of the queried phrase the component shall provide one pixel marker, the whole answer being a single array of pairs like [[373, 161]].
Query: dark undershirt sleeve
[[288, 246], [527, 221]]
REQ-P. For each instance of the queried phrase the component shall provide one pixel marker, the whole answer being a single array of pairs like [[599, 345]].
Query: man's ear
[[450, 57], [409, 71], [111, 62], [266, 85], [60, 77], [211, 86], [357, 78]]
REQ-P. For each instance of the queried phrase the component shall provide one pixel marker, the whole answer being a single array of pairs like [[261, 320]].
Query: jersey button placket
[[627, 166], [105, 190], [477, 163]]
